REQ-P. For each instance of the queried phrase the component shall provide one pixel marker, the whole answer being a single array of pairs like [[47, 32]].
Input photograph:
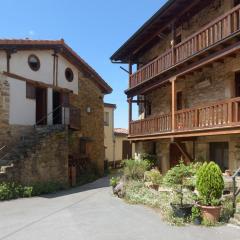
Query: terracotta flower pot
[[211, 213]]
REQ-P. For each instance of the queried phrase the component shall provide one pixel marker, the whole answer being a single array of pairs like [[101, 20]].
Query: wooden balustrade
[[163, 62], [151, 125], [217, 115], [222, 27]]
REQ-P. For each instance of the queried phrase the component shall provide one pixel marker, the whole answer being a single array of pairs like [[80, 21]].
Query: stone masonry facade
[[206, 86], [90, 97], [48, 159]]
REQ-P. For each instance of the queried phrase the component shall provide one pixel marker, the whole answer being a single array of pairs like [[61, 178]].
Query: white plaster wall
[[22, 110], [62, 82], [108, 135], [19, 65], [3, 61]]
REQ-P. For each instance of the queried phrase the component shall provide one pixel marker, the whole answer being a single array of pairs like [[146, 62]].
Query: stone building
[[51, 112], [187, 83]]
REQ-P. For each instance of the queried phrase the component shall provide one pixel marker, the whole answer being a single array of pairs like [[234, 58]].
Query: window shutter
[[30, 91], [65, 99]]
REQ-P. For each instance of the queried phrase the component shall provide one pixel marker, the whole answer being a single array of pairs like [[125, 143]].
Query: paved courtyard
[[92, 213]]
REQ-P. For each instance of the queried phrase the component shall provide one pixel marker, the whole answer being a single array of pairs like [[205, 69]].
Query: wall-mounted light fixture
[[89, 109]]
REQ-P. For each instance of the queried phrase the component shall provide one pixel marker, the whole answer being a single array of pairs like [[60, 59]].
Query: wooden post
[[130, 72], [129, 113], [8, 60], [173, 43], [173, 102]]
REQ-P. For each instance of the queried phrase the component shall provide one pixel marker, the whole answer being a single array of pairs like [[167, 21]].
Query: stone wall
[[210, 85], [92, 126], [214, 9], [202, 150], [4, 101], [49, 163]]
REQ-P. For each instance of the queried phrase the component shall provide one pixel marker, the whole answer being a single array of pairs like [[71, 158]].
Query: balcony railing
[[217, 115], [219, 29]]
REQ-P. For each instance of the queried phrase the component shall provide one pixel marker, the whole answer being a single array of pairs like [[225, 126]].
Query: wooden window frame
[[30, 91], [38, 62]]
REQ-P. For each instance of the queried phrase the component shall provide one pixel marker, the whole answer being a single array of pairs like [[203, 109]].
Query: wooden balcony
[[222, 115], [214, 33]]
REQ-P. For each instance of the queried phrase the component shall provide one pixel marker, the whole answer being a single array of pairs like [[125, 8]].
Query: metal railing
[[236, 189], [60, 113], [2, 151]]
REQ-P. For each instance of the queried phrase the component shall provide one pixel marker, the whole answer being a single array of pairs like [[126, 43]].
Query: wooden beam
[[151, 37], [187, 157], [213, 132], [130, 109], [173, 82]]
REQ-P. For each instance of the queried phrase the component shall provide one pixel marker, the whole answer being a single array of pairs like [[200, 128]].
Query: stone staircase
[[26, 147]]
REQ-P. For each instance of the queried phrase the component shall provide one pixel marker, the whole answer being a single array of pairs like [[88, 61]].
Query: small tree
[[210, 184], [176, 177]]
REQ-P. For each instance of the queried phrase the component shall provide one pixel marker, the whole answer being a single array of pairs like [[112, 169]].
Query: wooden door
[[219, 154], [41, 106], [175, 154], [126, 150], [57, 109]]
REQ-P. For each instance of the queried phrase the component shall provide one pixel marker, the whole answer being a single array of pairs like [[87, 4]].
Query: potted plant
[[154, 178], [175, 178], [210, 185], [196, 215]]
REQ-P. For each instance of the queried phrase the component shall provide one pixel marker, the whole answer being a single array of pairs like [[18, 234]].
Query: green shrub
[[153, 176], [13, 190], [150, 158], [227, 210], [210, 184], [196, 212], [114, 181], [135, 169], [177, 175]]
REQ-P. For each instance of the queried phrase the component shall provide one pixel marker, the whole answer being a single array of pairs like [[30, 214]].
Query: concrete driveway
[[92, 213]]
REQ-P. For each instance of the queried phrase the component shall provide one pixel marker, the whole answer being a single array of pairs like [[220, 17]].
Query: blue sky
[[95, 29]]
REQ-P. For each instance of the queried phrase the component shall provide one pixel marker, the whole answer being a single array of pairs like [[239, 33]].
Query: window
[[148, 107], [34, 62], [178, 39], [106, 118], [69, 74], [179, 101], [30, 91]]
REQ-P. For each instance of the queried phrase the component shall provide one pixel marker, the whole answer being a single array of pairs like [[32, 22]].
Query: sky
[[95, 29]]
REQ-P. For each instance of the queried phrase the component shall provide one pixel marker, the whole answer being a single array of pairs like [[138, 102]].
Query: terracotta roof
[[64, 50], [110, 105], [120, 131]]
